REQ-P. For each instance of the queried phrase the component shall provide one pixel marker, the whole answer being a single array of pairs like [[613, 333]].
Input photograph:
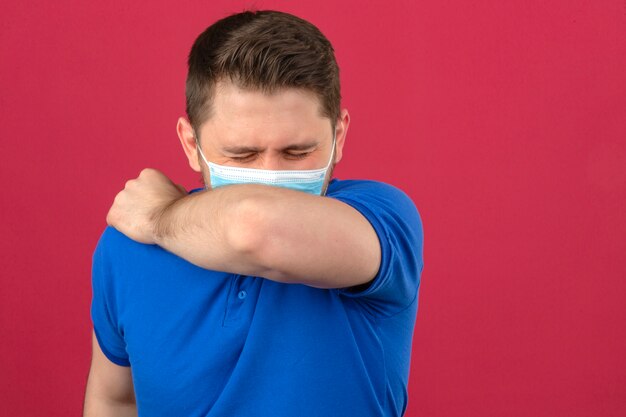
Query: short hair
[[262, 50]]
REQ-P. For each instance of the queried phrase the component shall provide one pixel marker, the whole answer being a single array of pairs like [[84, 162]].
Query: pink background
[[505, 121]]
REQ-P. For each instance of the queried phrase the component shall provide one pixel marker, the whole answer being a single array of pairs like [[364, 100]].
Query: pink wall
[[505, 122]]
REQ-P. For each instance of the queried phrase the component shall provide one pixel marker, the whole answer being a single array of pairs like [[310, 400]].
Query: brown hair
[[266, 50]]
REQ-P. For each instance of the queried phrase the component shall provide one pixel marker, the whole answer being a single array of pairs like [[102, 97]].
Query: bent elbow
[[247, 229]]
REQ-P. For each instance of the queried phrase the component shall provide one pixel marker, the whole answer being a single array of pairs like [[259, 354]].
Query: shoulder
[[112, 240], [362, 187], [119, 251], [119, 263], [355, 185], [375, 196]]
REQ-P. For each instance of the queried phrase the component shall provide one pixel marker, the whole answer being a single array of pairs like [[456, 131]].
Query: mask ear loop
[[332, 157], [332, 151], [199, 149]]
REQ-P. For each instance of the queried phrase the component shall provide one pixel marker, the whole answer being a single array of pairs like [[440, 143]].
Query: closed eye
[[250, 157], [297, 155], [243, 158]]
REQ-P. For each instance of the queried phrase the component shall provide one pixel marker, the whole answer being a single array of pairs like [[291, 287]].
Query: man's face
[[282, 131]]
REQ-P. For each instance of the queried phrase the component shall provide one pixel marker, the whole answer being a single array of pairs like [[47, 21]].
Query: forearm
[[110, 390], [97, 407], [272, 232], [205, 228]]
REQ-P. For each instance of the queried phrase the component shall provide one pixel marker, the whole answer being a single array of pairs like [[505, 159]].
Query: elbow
[[247, 227], [254, 235]]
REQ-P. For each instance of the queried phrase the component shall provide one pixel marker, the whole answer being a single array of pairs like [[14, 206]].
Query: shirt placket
[[235, 303]]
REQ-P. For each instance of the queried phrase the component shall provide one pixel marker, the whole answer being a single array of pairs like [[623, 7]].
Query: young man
[[274, 290]]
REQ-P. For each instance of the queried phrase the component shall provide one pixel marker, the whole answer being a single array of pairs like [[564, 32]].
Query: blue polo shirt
[[215, 344]]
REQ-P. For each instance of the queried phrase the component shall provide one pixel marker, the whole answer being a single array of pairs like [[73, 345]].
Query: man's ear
[[188, 141], [342, 130]]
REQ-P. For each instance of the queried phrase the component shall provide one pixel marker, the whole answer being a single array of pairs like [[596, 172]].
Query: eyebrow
[[251, 149]]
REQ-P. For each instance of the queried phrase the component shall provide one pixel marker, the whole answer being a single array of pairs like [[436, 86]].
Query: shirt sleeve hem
[[113, 358]]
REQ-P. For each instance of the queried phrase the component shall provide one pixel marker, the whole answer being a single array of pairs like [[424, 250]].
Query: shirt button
[[242, 294]]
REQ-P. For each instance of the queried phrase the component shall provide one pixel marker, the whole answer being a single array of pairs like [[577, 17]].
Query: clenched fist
[[137, 208]]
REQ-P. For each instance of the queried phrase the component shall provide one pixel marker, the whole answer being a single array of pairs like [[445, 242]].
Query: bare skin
[[109, 389]]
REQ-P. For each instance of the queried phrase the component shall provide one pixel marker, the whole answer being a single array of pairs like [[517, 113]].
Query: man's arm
[[109, 389], [271, 232]]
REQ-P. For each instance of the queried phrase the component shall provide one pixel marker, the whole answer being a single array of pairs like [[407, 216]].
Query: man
[[274, 290]]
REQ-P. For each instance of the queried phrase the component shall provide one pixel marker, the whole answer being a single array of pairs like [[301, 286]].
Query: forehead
[[252, 117]]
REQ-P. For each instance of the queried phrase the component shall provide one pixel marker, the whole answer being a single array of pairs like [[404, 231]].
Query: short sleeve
[[398, 225], [103, 309]]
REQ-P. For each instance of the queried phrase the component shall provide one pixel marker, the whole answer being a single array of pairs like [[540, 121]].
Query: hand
[[137, 208]]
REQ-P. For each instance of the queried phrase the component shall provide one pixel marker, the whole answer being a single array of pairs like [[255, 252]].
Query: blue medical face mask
[[309, 181]]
